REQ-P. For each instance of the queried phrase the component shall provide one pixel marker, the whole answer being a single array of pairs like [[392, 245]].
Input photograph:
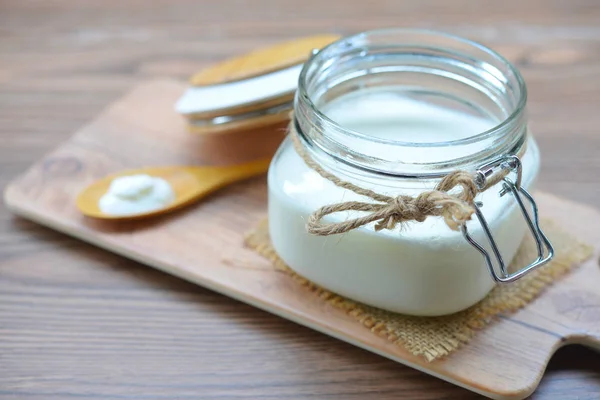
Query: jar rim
[[514, 114]]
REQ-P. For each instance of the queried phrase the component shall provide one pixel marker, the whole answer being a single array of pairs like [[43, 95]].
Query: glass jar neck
[[410, 103]]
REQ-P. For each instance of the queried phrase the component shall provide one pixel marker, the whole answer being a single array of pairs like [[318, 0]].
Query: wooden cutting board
[[203, 243]]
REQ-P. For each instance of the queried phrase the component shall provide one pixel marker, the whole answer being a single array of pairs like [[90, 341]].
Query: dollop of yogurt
[[136, 194]]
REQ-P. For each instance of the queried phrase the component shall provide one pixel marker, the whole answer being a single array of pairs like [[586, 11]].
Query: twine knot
[[452, 199], [403, 208]]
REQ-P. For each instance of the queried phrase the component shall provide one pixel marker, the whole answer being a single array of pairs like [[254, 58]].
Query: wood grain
[[77, 322], [212, 255]]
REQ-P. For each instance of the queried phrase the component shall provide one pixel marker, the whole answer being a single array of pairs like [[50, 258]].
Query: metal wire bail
[[544, 247]]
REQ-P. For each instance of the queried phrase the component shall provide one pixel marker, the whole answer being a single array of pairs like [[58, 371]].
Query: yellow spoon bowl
[[189, 184]]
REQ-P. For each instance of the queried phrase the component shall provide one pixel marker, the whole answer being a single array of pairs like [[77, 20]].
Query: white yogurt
[[136, 194], [422, 268]]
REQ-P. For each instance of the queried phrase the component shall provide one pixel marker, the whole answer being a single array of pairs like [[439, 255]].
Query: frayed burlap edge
[[435, 337]]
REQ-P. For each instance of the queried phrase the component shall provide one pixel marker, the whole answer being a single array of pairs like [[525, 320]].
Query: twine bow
[[387, 211]]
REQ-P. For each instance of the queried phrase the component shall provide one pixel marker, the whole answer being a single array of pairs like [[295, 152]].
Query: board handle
[[577, 304], [587, 337], [591, 340]]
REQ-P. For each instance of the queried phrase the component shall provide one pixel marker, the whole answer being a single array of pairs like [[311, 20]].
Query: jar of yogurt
[[395, 111]]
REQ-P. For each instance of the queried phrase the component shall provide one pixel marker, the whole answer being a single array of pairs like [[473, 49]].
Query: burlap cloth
[[436, 337]]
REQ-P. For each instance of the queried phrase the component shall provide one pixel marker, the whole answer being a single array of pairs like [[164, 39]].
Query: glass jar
[[395, 111]]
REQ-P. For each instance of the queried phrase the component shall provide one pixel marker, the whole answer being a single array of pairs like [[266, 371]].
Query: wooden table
[[78, 322]]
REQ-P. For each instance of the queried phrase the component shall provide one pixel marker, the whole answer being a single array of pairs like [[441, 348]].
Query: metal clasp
[[544, 247]]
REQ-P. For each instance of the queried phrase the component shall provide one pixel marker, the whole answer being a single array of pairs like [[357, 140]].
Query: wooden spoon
[[188, 183]]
